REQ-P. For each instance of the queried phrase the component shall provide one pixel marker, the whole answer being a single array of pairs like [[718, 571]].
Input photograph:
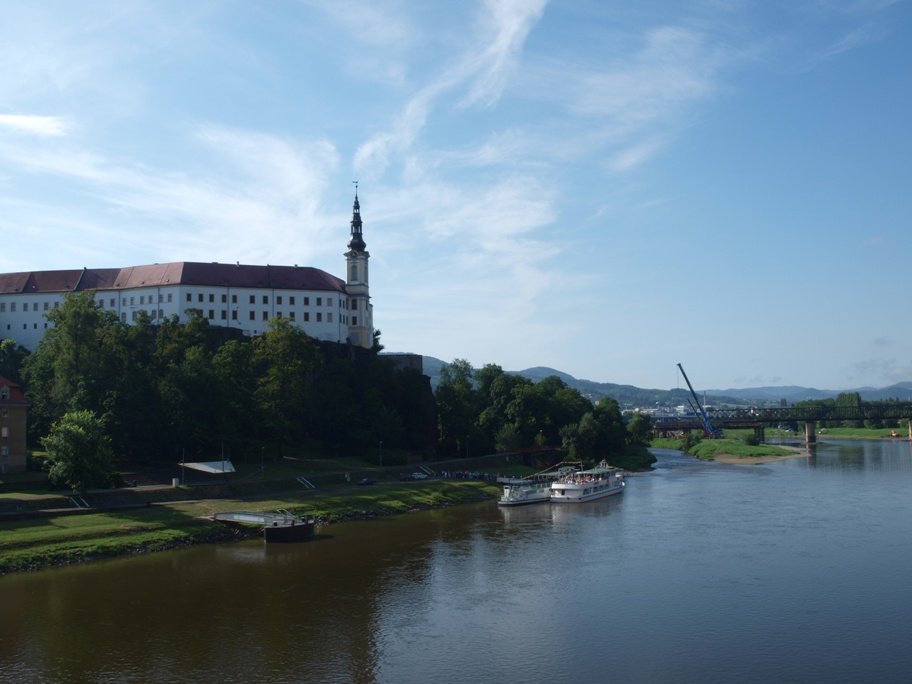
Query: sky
[[603, 187]]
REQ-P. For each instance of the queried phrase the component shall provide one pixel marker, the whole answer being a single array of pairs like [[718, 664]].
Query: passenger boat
[[535, 488], [587, 485], [521, 491]]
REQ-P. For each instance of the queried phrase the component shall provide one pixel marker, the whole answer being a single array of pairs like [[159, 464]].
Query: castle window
[[46, 305], [291, 315], [142, 299], [2, 306], [291, 300], [211, 314], [319, 317], [224, 299], [234, 299], [112, 303], [224, 315], [265, 299], [234, 315], [265, 315], [189, 297], [329, 318], [252, 299], [199, 297], [252, 316], [306, 317], [319, 301], [211, 298], [279, 300], [306, 301], [12, 306], [354, 320]]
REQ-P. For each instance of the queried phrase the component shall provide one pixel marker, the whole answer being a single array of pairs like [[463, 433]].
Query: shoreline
[[759, 460]]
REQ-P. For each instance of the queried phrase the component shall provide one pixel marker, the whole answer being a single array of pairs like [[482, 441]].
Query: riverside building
[[238, 296]]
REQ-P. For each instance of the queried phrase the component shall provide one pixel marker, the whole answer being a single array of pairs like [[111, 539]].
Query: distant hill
[[629, 396]]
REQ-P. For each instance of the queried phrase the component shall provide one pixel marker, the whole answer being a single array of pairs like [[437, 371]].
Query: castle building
[[238, 296]]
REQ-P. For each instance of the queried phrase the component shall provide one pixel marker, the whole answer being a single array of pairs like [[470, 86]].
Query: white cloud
[[35, 125], [483, 68], [508, 23]]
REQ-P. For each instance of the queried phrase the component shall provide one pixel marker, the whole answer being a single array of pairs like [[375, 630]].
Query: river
[[793, 571]]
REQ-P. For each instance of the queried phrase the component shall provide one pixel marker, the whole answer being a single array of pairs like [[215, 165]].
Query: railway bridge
[[759, 418]]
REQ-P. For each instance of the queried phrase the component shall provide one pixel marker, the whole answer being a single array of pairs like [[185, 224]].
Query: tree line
[[166, 391]]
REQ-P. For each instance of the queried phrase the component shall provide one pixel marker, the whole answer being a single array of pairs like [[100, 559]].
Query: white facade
[[236, 296]]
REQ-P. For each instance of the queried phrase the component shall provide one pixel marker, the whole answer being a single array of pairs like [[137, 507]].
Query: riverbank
[[47, 541], [759, 460]]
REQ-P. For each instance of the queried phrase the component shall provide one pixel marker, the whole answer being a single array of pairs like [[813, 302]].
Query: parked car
[[367, 481], [418, 475], [405, 477]]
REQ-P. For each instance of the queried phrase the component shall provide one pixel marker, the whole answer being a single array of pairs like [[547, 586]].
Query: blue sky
[[603, 187]]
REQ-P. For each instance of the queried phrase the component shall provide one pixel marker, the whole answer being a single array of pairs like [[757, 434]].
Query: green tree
[[639, 429], [80, 451], [72, 367], [12, 357], [458, 406], [286, 359]]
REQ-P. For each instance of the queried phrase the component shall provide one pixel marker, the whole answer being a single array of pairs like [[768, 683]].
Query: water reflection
[[889, 455], [698, 572]]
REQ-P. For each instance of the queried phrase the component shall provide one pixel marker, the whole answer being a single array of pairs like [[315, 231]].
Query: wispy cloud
[[482, 69], [508, 23], [35, 125], [265, 200]]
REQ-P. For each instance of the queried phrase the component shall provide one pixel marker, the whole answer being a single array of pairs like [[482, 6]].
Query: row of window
[[279, 300], [156, 314], [149, 299], [25, 306]]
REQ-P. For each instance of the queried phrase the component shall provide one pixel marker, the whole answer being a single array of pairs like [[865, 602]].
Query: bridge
[[758, 418]]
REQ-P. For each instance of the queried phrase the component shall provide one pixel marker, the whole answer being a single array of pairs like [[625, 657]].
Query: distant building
[[235, 296], [406, 361], [13, 417]]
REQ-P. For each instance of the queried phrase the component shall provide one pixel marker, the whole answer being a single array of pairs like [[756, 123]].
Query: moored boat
[[277, 527], [587, 485], [519, 492], [535, 488]]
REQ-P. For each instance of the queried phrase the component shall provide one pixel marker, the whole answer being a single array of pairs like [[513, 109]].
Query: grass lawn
[[708, 449], [59, 540]]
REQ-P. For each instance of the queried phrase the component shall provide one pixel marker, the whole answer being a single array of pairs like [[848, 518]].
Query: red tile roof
[[177, 273]]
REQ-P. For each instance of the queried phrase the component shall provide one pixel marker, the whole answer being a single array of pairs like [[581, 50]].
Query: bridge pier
[[810, 432], [760, 433], [910, 429]]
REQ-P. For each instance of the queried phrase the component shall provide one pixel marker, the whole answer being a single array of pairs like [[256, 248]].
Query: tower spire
[[357, 240]]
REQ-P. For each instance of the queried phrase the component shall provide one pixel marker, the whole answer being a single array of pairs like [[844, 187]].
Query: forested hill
[[629, 396]]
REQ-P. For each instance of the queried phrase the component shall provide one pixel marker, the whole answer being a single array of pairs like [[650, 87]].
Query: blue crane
[[708, 428]]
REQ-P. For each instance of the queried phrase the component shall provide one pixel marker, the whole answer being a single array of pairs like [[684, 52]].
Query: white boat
[[519, 492], [533, 489], [588, 485]]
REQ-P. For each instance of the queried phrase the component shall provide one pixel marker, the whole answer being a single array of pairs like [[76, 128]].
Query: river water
[[793, 571]]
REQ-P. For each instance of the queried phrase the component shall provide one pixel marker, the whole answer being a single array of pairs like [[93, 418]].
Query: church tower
[[360, 311]]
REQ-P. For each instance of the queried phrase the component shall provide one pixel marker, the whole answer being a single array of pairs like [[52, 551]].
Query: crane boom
[[704, 418]]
